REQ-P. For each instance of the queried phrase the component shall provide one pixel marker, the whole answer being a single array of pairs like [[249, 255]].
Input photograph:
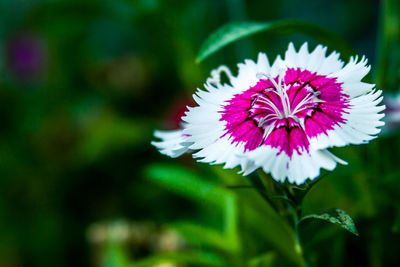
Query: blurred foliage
[[235, 31], [84, 83]]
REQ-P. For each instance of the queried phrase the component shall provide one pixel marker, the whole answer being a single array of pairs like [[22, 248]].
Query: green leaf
[[115, 255], [186, 257], [266, 259], [396, 222], [270, 227], [336, 216], [204, 236], [235, 31], [109, 133], [388, 46], [190, 185]]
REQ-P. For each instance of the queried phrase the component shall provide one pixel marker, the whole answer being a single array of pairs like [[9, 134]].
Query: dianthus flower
[[281, 117]]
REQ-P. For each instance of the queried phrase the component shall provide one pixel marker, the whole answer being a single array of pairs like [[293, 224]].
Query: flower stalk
[[286, 200]]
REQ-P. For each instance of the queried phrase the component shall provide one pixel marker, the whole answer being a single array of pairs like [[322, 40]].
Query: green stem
[[296, 212], [291, 206], [299, 248], [297, 245], [259, 185], [275, 192]]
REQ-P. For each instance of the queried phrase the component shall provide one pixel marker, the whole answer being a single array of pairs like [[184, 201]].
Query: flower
[[281, 117]]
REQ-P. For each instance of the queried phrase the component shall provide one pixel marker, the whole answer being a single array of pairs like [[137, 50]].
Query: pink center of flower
[[285, 111]]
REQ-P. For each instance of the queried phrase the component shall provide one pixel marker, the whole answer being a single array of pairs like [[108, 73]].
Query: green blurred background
[[83, 85]]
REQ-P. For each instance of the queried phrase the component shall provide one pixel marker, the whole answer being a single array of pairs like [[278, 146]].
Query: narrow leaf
[[266, 259], [190, 185], [336, 216], [396, 223], [199, 235], [235, 31], [180, 257]]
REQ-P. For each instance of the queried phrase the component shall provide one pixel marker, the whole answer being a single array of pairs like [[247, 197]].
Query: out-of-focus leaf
[[267, 226], [204, 236], [267, 223], [109, 133], [235, 31], [396, 222], [264, 260], [262, 188], [189, 184], [187, 257], [388, 43], [115, 256], [336, 216]]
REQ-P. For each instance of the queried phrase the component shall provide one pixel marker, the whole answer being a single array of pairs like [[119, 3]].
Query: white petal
[[247, 76], [173, 143], [222, 151], [277, 66], [331, 64], [263, 63], [317, 57], [316, 61], [303, 55], [362, 122], [297, 168], [291, 57], [351, 76]]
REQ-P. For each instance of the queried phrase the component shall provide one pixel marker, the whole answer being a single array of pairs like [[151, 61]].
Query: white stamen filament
[[310, 99], [265, 100], [281, 90], [267, 131], [267, 119]]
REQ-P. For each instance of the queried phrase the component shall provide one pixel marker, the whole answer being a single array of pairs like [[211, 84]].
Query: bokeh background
[[83, 85]]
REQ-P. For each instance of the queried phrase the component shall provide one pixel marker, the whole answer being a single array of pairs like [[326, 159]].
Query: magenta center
[[284, 112]]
